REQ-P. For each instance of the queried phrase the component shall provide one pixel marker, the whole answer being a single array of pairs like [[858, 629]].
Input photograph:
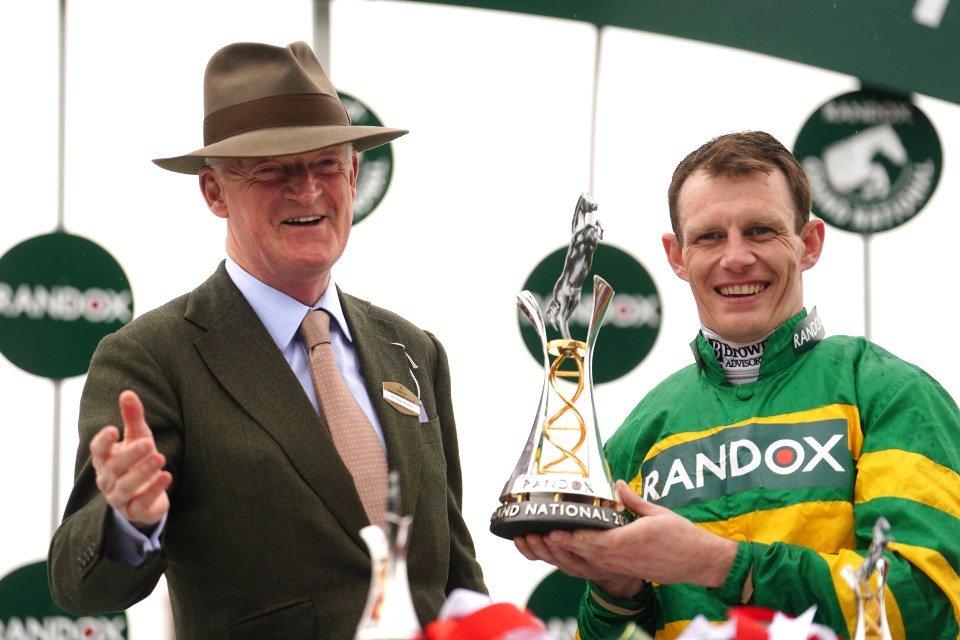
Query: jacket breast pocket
[[430, 431], [291, 620]]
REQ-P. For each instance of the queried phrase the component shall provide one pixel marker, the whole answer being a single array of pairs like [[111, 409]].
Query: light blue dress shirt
[[282, 315]]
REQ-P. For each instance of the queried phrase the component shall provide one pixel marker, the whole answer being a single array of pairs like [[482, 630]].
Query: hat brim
[[281, 141]]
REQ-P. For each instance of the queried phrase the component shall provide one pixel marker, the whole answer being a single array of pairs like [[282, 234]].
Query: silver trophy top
[[871, 608], [877, 548], [586, 234]]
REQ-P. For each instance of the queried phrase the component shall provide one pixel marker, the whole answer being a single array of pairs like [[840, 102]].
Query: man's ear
[[812, 238], [675, 255], [356, 169], [212, 192]]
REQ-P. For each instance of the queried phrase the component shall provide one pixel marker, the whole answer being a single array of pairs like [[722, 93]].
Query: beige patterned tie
[[354, 436]]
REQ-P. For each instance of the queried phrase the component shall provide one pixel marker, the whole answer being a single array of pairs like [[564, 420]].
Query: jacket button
[[744, 393]]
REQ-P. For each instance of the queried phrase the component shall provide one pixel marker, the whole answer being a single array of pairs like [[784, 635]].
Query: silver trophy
[[871, 611], [389, 613], [562, 480]]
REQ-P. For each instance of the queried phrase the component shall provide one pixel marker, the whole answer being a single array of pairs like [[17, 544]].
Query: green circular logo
[[376, 165], [27, 610], [873, 160], [632, 321], [60, 294]]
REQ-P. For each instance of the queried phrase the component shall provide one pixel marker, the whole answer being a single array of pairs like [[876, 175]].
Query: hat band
[[274, 111]]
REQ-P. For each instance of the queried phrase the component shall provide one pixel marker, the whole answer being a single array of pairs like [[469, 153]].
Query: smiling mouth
[[304, 221], [741, 289]]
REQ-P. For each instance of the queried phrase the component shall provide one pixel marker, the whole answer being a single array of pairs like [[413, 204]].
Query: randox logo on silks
[[27, 611], [60, 294], [632, 321], [873, 160], [376, 165], [735, 459]]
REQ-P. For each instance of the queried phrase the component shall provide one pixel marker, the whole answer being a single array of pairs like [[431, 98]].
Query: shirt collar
[[280, 314], [785, 345]]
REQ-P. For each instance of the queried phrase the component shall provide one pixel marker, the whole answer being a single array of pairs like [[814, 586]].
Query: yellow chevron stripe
[[673, 630], [936, 567], [880, 475], [824, 526], [843, 411]]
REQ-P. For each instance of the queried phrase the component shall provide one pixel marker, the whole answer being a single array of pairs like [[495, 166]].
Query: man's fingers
[[555, 549], [140, 494], [101, 450], [532, 548], [130, 470], [131, 482], [134, 424], [521, 544], [569, 561], [537, 547], [123, 459], [101, 443], [632, 501], [149, 505]]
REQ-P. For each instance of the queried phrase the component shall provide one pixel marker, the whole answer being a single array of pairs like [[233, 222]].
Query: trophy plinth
[[541, 515], [562, 480]]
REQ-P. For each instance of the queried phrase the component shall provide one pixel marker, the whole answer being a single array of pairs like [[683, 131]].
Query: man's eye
[[759, 231], [707, 237], [325, 166]]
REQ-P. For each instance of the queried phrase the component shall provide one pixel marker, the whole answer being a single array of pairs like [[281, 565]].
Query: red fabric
[[751, 622], [489, 623]]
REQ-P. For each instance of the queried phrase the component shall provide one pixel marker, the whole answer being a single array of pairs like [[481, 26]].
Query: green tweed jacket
[[262, 539]]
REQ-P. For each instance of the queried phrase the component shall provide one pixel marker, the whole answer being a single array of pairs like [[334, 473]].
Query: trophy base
[[541, 517]]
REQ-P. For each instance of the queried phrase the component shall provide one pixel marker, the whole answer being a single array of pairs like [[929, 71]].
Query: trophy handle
[[528, 305], [883, 566], [602, 294], [850, 576]]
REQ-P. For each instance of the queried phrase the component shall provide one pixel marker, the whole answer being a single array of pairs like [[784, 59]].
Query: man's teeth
[[741, 289], [304, 219]]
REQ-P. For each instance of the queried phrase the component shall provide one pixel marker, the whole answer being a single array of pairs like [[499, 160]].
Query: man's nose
[[303, 186], [737, 253]]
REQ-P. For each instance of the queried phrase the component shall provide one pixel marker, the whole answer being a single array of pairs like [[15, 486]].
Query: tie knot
[[315, 328]]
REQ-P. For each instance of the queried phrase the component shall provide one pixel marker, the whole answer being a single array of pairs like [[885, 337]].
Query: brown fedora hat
[[262, 101]]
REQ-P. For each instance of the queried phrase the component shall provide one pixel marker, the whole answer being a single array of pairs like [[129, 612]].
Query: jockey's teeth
[[741, 289]]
